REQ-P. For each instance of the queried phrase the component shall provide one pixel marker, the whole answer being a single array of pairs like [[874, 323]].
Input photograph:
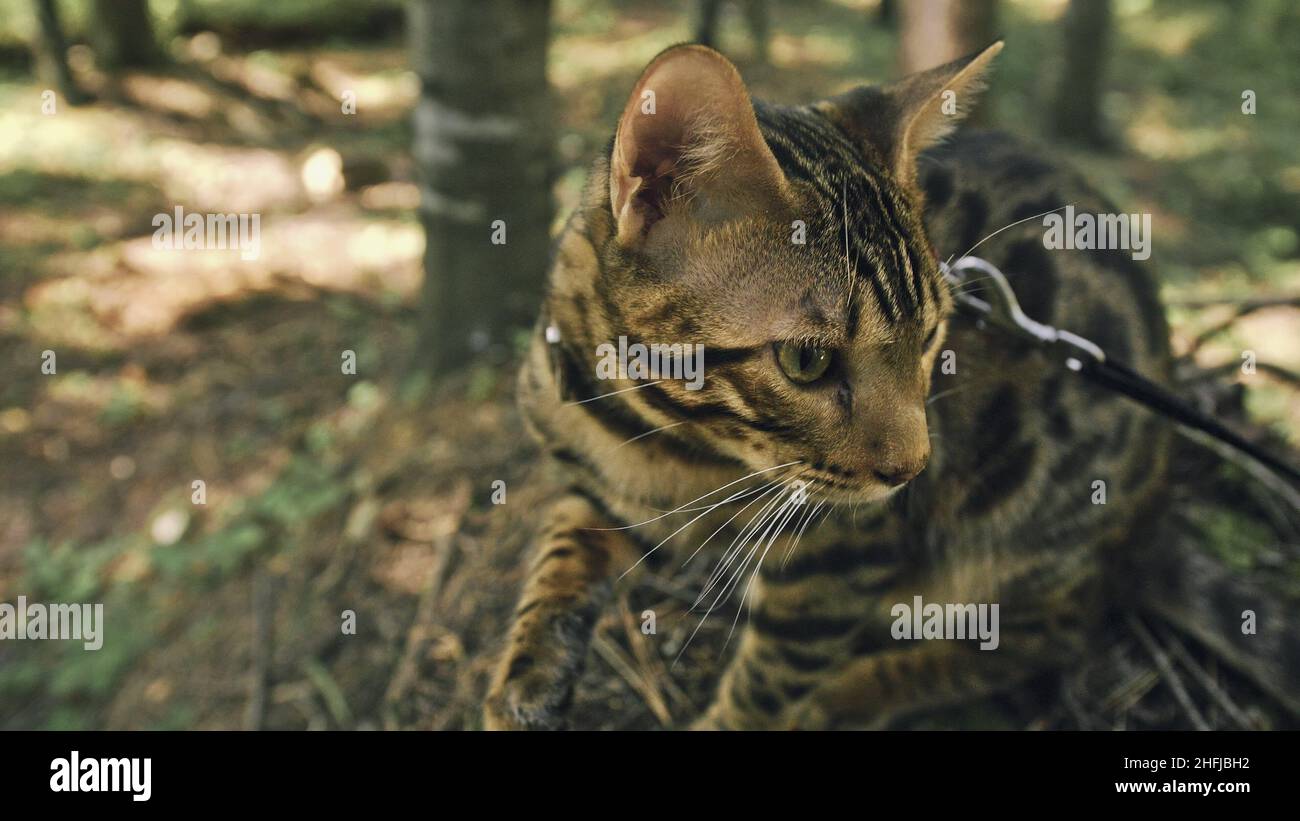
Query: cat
[[876, 443]]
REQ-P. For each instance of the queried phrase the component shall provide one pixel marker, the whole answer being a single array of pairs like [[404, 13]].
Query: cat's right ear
[[904, 118], [688, 139]]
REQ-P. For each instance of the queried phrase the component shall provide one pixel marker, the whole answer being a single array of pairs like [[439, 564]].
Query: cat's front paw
[[820, 711], [533, 691], [518, 706], [529, 702], [809, 714]]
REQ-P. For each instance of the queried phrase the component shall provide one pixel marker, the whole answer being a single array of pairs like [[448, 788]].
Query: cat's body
[[1008, 511]]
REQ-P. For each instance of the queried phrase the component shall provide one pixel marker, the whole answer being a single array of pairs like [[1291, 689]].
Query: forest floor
[[371, 493]]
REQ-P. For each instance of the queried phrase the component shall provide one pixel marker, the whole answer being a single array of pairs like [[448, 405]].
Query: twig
[[1168, 673], [407, 667], [1257, 471], [260, 676], [1130, 692], [652, 667], [669, 588], [1084, 721], [1214, 372], [613, 656], [359, 528], [1241, 308], [330, 692], [1207, 681], [1249, 304], [1281, 374]]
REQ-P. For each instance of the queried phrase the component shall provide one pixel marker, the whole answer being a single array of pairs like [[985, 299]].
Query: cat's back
[[1028, 454], [990, 193]]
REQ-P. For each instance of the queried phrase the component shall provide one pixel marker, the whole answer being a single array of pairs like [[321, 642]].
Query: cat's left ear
[[689, 141], [904, 118]]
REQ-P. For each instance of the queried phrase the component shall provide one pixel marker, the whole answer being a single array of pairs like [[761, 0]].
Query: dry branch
[[1168, 673]]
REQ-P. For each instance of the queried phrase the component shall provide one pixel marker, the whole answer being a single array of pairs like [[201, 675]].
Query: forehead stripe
[[875, 275], [812, 150], [892, 226], [872, 251], [912, 283]]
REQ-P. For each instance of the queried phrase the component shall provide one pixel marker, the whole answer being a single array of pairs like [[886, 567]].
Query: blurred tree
[[934, 32], [756, 14], [121, 34], [483, 149], [52, 53], [1077, 112], [887, 13]]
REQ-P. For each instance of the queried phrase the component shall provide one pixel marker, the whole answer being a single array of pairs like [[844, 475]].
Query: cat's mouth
[[838, 490]]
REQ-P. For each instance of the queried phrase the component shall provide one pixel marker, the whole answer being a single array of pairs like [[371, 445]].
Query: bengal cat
[[825, 393]]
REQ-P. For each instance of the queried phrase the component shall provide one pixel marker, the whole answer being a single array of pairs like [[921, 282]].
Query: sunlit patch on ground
[[372, 490]]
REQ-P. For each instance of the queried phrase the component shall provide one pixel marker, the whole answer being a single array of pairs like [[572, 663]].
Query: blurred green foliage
[[1223, 186]]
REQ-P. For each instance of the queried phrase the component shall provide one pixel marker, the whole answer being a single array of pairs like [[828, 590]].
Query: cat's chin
[[847, 496]]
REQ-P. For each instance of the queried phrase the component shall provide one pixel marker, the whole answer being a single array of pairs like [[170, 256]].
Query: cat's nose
[[898, 445], [895, 475]]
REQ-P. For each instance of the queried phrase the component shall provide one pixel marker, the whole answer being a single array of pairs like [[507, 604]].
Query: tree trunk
[[706, 22], [483, 150], [52, 54], [121, 34], [934, 32], [1077, 113], [887, 13], [757, 17]]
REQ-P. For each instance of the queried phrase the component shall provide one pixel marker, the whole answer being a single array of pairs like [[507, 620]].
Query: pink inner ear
[[654, 152], [703, 114], [654, 191]]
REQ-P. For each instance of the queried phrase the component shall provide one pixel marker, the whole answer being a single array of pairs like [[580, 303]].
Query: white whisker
[[648, 433], [733, 498], [706, 512], [730, 586], [772, 520], [802, 527], [776, 519], [771, 486], [1005, 227], [942, 394], [736, 547], [848, 300], [759, 565], [966, 283], [757, 520], [978, 383], [698, 498], [613, 393]]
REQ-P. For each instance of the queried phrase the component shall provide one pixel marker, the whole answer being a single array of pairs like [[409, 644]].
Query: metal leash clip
[[1003, 310]]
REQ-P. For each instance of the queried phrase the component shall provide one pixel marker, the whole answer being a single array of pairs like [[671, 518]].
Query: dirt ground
[[325, 492]]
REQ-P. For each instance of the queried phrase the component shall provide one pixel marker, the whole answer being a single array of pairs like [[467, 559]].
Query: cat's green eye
[[802, 363]]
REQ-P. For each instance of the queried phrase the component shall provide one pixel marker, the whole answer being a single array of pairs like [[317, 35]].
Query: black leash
[[1002, 311]]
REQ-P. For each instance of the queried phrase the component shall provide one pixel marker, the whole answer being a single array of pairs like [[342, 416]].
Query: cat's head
[[789, 242]]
